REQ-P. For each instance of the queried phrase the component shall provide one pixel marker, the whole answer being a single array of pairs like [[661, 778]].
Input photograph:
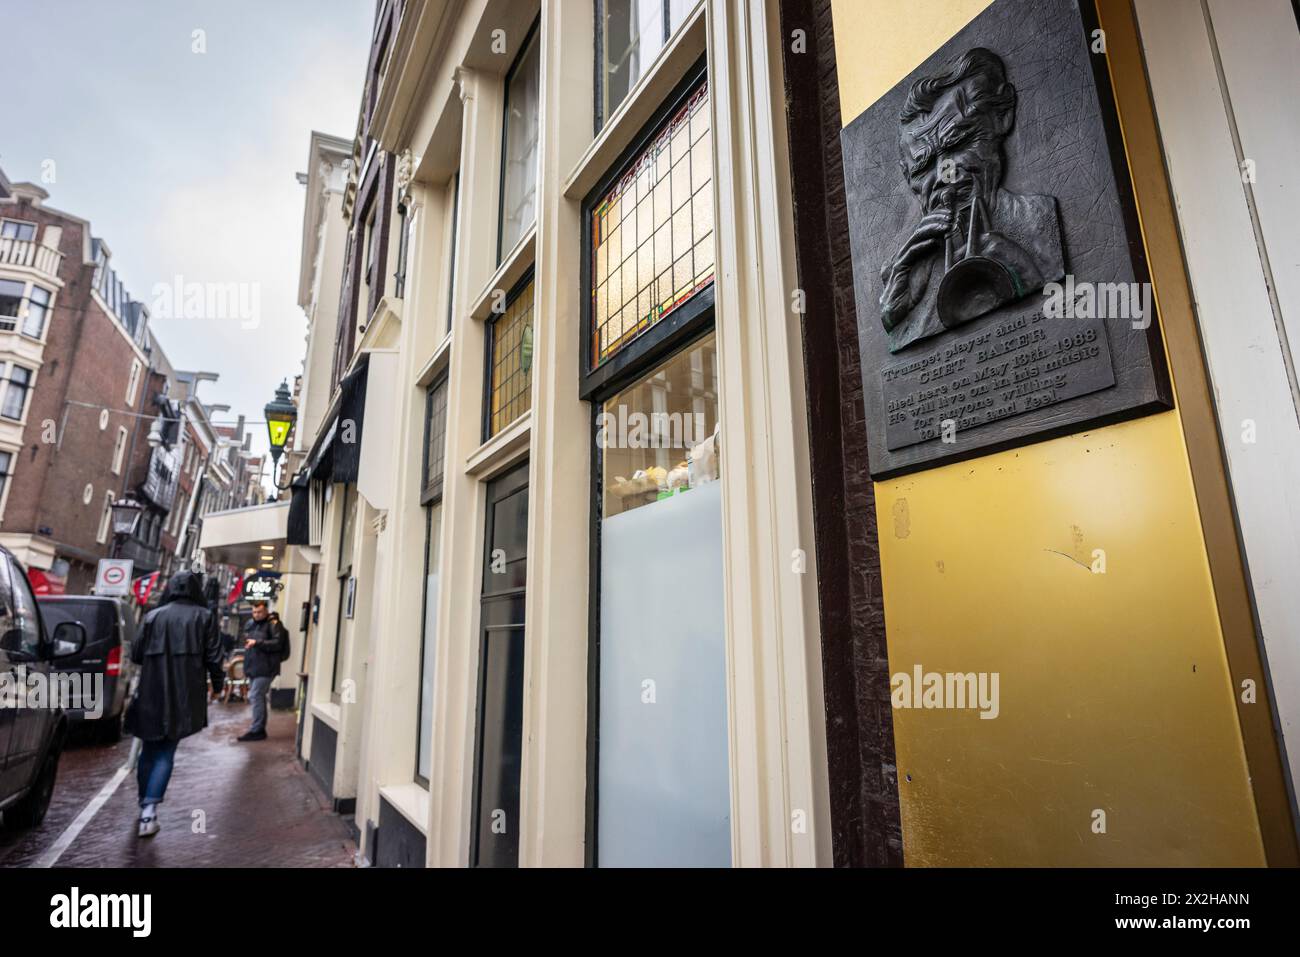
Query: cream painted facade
[[438, 113]]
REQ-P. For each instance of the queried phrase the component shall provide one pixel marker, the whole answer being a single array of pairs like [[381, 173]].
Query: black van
[[107, 653], [31, 735]]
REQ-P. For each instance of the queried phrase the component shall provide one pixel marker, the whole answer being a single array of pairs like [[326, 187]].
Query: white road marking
[[87, 813]]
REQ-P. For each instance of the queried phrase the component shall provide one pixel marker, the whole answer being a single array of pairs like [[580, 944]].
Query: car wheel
[[30, 811]]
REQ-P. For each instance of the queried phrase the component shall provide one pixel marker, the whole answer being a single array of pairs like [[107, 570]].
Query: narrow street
[[228, 805]]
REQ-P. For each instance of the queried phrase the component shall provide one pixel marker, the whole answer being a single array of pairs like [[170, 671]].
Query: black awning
[[299, 531], [340, 430], [347, 432]]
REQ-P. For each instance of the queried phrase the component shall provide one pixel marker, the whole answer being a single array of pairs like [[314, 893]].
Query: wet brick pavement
[[258, 807]]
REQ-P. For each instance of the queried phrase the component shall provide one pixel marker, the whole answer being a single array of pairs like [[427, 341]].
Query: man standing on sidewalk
[[263, 642]]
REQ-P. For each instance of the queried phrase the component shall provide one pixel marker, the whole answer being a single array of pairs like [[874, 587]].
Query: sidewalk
[[228, 805]]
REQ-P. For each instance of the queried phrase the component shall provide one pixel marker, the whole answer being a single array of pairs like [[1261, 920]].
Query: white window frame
[[6, 479], [19, 222], [27, 390], [133, 383], [119, 450], [105, 520]]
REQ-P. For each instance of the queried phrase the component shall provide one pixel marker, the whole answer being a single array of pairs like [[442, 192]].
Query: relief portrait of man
[[976, 246]]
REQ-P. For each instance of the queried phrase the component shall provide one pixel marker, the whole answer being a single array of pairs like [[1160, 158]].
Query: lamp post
[[281, 413]]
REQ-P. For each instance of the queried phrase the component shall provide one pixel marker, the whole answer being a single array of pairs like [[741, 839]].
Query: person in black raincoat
[[177, 647]]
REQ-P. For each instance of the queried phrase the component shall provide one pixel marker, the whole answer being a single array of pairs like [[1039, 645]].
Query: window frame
[[451, 249], [533, 33], [19, 222], [119, 451], [105, 530], [6, 473], [489, 351], [26, 387], [599, 116], [46, 308], [343, 574], [431, 489], [684, 323], [133, 382]]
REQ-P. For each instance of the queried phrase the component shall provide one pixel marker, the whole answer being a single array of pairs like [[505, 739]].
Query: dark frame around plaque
[[1003, 295]]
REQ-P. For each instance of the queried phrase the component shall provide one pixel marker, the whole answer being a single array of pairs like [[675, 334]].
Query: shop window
[[651, 233], [630, 35], [498, 748], [659, 534], [510, 361], [519, 146]]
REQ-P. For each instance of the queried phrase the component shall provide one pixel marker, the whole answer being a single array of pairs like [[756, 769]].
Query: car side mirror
[[69, 638]]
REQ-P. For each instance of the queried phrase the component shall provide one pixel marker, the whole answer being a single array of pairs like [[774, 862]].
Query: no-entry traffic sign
[[113, 576]]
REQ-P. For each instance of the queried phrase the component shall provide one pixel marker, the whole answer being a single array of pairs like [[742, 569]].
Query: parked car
[[31, 737], [107, 652]]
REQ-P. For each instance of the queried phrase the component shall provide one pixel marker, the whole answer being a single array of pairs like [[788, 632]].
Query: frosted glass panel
[[428, 647], [664, 796]]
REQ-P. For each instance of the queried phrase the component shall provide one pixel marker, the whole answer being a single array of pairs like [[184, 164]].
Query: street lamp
[[126, 516], [280, 416]]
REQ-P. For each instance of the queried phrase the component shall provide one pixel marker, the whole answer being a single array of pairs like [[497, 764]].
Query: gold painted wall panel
[[1115, 693]]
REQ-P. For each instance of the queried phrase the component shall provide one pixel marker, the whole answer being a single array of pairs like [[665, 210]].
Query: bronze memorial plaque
[[1001, 282]]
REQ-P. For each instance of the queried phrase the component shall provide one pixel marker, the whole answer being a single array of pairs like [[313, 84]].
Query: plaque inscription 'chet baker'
[[982, 191]]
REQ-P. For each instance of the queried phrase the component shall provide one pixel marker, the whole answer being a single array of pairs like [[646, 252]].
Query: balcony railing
[[24, 252]]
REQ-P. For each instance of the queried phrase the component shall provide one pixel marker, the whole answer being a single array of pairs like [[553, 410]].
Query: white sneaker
[[149, 826]]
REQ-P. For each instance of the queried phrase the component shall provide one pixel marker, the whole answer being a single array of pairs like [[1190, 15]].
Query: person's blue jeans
[[261, 690], [155, 770]]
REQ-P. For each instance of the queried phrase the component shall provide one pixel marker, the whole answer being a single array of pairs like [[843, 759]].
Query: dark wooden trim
[[859, 729]]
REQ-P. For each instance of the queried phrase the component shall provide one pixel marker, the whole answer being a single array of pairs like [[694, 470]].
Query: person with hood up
[[177, 648]]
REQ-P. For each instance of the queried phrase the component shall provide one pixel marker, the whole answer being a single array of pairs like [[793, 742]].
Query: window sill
[[621, 129], [411, 801], [328, 712], [437, 362], [503, 448], [384, 328], [511, 270]]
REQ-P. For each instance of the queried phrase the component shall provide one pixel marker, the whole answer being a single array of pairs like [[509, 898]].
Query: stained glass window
[[510, 369], [652, 233]]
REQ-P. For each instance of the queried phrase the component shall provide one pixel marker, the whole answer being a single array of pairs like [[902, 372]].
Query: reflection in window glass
[[652, 233], [633, 34], [660, 437], [519, 178], [37, 306], [633, 37], [510, 347]]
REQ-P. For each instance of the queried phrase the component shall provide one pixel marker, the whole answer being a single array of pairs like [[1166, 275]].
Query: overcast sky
[[184, 162]]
